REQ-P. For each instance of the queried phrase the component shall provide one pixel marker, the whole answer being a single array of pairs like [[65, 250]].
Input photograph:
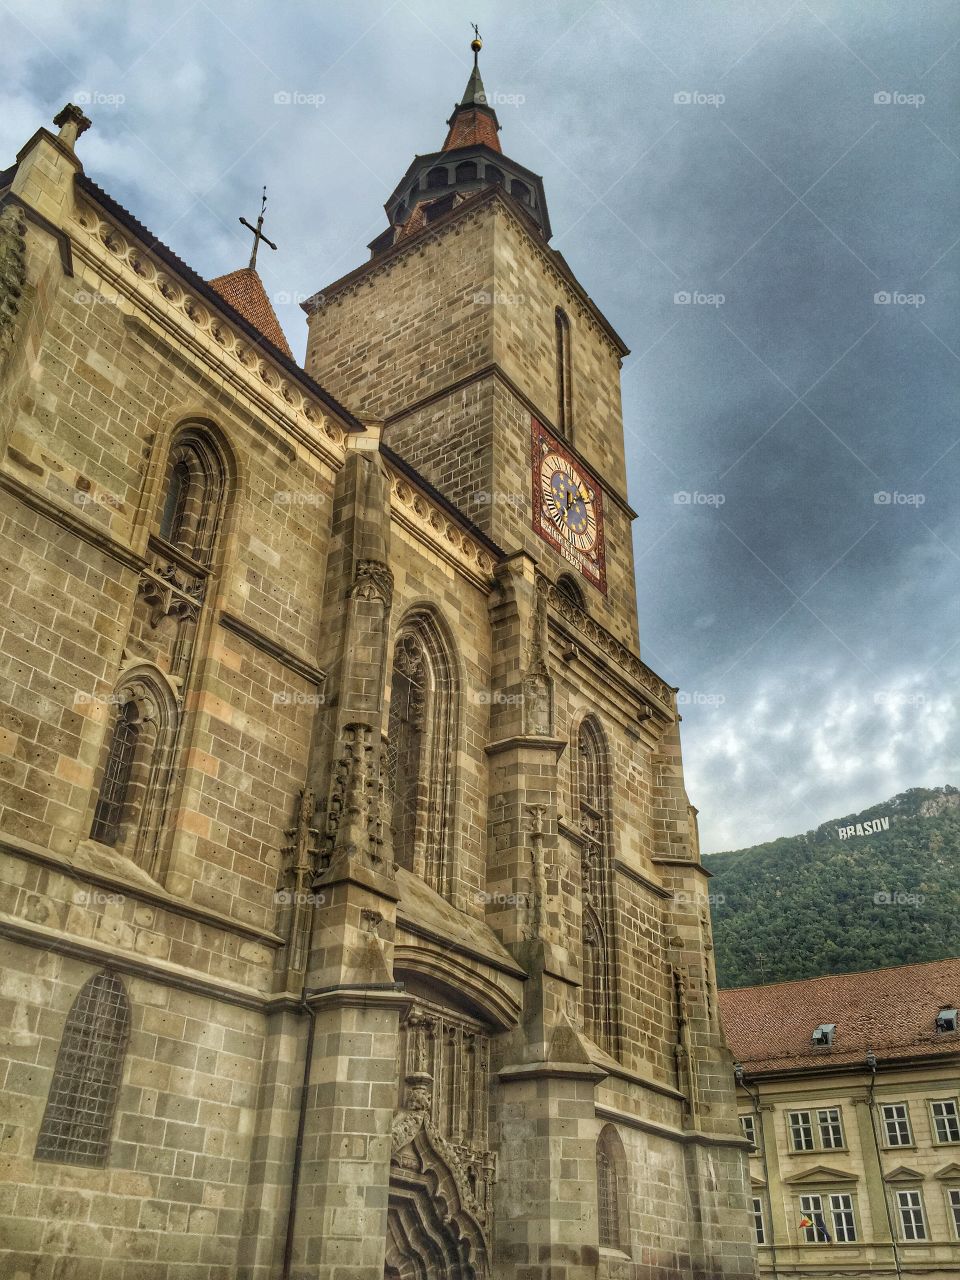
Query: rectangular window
[[749, 1126], [801, 1130], [811, 1210], [831, 1130], [912, 1223], [896, 1124], [953, 1199], [758, 1219], [844, 1225], [946, 1121]]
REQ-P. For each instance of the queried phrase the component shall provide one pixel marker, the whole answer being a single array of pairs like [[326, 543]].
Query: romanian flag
[[818, 1225]]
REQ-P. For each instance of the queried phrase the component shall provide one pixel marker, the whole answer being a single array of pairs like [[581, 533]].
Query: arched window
[[113, 801], [520, 190], [134, 766], [437, 178], [493, 175], [568, 586], [193, 496], [611, 1191], [593, 807], [78, 1118], [564, 374], [466, 171], [421, 748]]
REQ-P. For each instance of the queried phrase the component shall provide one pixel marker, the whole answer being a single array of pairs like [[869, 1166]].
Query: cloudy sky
[[786, 166]]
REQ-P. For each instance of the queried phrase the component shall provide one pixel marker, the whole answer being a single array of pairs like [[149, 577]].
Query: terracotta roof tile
[[891, 1011], [244, 291], [470, 126]]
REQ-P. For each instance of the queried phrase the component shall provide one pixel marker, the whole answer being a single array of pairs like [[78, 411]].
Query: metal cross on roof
[[258, 231]]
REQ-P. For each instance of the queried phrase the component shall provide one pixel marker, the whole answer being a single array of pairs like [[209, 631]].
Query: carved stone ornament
[[413, 1117], [373, 581], [170, 595], [537, 705], [13, 272], [355, 812], [409, 658]]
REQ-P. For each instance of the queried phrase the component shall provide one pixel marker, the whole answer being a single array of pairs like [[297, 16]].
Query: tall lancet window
[[78, 1118], [612, 1211], [113, 801], [134, 766], [593, 804], [564, 374], [421, 751], [193, 495], [405, 734]]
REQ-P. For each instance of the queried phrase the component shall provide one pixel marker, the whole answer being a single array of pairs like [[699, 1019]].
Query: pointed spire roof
[[244, 291], [474, 120]]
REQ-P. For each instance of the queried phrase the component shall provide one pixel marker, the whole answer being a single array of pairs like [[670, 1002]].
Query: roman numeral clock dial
[[567, 506]]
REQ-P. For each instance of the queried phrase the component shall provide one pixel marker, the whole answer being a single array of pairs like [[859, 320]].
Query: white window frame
[[949, 1117], [911, 1203], [953, 1209], [839, 1216], [896, 1121], [758, 1224], [748, 1122], [830, 1124], [809, 1234], [801, 1121], [843, 1212]]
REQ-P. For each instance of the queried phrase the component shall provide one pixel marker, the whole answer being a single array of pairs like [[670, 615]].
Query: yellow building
[[849, 1088]]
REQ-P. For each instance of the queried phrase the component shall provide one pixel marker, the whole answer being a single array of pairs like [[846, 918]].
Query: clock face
[[567, 506]]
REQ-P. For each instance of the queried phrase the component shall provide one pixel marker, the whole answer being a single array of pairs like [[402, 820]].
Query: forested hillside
[[817, 903]]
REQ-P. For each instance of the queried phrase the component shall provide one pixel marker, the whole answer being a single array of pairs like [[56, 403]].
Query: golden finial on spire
[[476, 44]]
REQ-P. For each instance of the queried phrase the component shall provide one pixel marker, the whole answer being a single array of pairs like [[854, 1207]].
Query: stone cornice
[[688, 1137], [588, 628], [639, 878], [286, 657], [153, 970], [212, 332], [156, 895], [443, 534], [529, 742], [525, 1071], [70, 518]]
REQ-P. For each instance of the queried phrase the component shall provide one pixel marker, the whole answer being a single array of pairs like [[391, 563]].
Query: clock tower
[[493, 371], [467, 342]]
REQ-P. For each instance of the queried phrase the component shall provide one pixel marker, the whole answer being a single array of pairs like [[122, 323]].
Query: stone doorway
[[431, 1233]]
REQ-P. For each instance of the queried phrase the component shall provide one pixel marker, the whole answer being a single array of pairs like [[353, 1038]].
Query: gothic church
[[353, 925]]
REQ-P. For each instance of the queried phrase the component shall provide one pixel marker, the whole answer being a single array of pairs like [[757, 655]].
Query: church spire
[[244, 290], [469, 162], [473, 121]]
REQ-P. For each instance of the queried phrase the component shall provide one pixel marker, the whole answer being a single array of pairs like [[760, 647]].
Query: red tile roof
[[470, 126], [244, 291], [891, 1011]]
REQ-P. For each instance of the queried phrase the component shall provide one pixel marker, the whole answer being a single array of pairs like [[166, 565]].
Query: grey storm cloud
[[761, 195]]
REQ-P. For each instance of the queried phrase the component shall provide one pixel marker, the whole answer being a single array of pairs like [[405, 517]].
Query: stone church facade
[[353, 924]]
